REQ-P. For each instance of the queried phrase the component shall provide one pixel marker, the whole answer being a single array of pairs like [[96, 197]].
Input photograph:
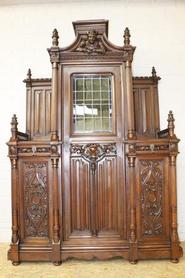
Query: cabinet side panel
[[34, 206], [152, 194]]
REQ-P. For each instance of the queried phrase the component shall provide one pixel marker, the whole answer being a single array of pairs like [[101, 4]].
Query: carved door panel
[[153, 199], [92, 163], [34, 200]]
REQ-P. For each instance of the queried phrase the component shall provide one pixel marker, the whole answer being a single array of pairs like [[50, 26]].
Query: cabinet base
[[26, 254]]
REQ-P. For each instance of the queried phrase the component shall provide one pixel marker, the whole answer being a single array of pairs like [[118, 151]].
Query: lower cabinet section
[[114, 207]]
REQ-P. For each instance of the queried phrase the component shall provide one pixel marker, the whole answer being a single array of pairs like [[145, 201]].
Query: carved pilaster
[[14, 251], [56, 256], [174, 234], [132, 238]]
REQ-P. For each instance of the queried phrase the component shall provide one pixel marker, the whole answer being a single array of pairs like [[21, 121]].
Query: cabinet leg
[[56, 258], [133, 262], [175, 261], [15, 263], [133, 257], [57, 263]]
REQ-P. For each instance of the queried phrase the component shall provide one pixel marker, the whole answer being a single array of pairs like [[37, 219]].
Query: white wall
[[158, 31]]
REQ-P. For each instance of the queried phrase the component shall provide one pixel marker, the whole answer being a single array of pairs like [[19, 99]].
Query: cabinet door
[[153, 199], [93, 154], [34, 200]]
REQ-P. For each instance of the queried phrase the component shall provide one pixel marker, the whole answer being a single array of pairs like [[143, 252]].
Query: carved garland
[[151, 197], [35, 199]]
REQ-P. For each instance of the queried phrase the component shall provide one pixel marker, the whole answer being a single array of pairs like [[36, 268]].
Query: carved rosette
[[35, 199], [151, 197]]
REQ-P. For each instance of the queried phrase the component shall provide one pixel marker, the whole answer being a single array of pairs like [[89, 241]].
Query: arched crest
[[92, 42]]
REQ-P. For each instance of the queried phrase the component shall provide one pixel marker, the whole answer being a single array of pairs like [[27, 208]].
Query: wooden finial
[[171, 125], [126, 36], [55, 38], [154, 75], [29, 74], [14, 129]]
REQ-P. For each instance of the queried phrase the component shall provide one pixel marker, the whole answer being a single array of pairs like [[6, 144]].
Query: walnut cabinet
[[93, 176]]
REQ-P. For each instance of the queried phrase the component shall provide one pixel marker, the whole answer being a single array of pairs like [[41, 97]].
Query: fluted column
[[128, 57]]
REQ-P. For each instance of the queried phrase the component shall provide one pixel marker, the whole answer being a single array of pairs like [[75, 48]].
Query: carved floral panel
[[152, 180], [36, 199]]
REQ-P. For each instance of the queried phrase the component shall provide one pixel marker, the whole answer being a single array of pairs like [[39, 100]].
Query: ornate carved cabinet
[[93, 176]]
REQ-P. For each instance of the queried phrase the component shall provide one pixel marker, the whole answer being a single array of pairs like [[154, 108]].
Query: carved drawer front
[[34, 199], [152, 199]]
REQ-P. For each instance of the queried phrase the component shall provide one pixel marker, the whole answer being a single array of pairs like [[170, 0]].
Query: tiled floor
[[114, 268]]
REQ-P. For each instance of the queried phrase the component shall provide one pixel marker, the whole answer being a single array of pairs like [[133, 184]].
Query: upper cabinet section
[[92, 87]]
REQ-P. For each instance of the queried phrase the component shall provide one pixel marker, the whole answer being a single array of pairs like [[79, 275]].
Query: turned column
[[175, 249], [132, 235], [128, 57], [54, 52], [14, 251], [174, 235]]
